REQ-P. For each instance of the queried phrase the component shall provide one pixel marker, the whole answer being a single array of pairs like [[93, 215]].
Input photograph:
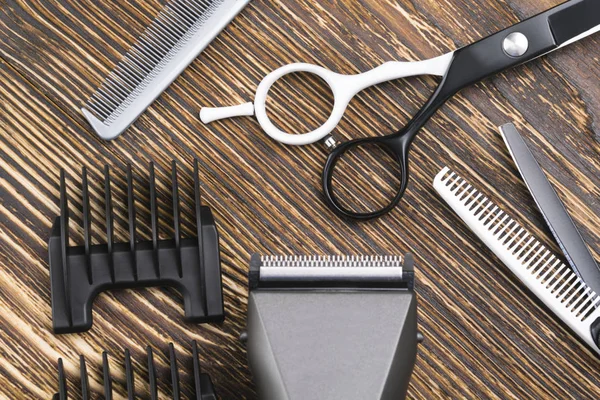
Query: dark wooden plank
[[486, 337]]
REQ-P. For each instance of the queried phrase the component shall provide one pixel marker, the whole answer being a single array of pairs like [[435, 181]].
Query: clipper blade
[[331, 271]]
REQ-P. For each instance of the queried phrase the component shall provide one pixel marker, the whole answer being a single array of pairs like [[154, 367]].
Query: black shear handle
[[470, 65]]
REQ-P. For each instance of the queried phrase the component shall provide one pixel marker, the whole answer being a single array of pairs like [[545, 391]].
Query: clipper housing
[[78, 274], [332, 327]]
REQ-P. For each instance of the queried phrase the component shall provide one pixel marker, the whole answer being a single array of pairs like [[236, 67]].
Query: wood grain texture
[[486, 337]]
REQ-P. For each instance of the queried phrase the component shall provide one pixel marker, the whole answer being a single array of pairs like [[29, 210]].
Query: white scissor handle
[[343, 87]]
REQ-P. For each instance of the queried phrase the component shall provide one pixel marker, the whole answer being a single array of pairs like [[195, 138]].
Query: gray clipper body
[[332, 327]]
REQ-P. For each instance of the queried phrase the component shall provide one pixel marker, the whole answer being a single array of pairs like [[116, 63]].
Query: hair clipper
[[332, 327]]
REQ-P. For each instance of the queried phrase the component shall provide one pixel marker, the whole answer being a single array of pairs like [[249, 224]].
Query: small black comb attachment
[[79, 273], [203, 386]]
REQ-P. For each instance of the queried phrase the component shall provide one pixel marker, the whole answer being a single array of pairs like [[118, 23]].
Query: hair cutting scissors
[[521, 43]]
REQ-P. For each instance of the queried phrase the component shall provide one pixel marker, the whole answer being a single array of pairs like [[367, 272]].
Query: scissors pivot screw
[[516, 44], [330, 142]]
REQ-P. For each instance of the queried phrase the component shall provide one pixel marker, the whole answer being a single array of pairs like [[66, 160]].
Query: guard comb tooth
[[199, 224], [129, 376], [85, 384], [174, 372], [106, 375], [131, 218], [176, 217], [152, 385], [87, 238], [196, 371], [62, 381], [109, 223], [64, 245], [154, 221]]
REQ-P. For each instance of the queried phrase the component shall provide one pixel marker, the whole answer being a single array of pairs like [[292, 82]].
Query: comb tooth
[[538, 268], [62, 381], [159, 47], [86, 224], [176, 216], [200, 235], [93, 106], [176, 14], [522, 254], [571, 292], [134, 70], [519, 238], [85, 384], [509, 232], [101, 104], [149, 51], [568, 283], [498, 227], [154, 221], [142, 61], [486, 205], [109, 223], [548, 265], [533, 266], [174, 372], [107, 378], [115, 86], [117, 75], [145, 51], [595, 302], [475, 200], [460, 183], [581, 301], [190, 9], [196, 361], [131, 215], [128, 77], [152, 375], [558, 278], [164, 41], [491, 224], [167, 27], [106, 98], [64, 244], [129, 377], [173, 23], [164, 31]]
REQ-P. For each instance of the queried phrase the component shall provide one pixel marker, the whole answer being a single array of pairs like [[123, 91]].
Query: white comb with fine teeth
[[181, 30], [553, 282]]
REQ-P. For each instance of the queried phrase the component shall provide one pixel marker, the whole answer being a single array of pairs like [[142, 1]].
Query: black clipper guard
[[204, 389], [79, 273]]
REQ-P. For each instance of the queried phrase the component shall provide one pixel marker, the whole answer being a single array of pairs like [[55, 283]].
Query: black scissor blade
[[575, 20], [560, 223]]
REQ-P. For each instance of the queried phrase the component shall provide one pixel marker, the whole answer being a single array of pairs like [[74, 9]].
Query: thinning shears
[[521, 43]]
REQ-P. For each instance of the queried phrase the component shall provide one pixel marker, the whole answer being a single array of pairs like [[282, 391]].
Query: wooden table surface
[[486, 337]]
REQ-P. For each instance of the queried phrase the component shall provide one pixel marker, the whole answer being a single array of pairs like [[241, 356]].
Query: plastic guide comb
[[80, 273], [180, 32], [553, 282], [204, 389]]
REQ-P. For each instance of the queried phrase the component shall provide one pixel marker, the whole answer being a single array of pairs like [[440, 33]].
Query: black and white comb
[[180, 32], [556, 284]]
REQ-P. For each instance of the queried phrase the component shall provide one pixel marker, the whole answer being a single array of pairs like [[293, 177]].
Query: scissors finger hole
[[299, 102], [366, 178]]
